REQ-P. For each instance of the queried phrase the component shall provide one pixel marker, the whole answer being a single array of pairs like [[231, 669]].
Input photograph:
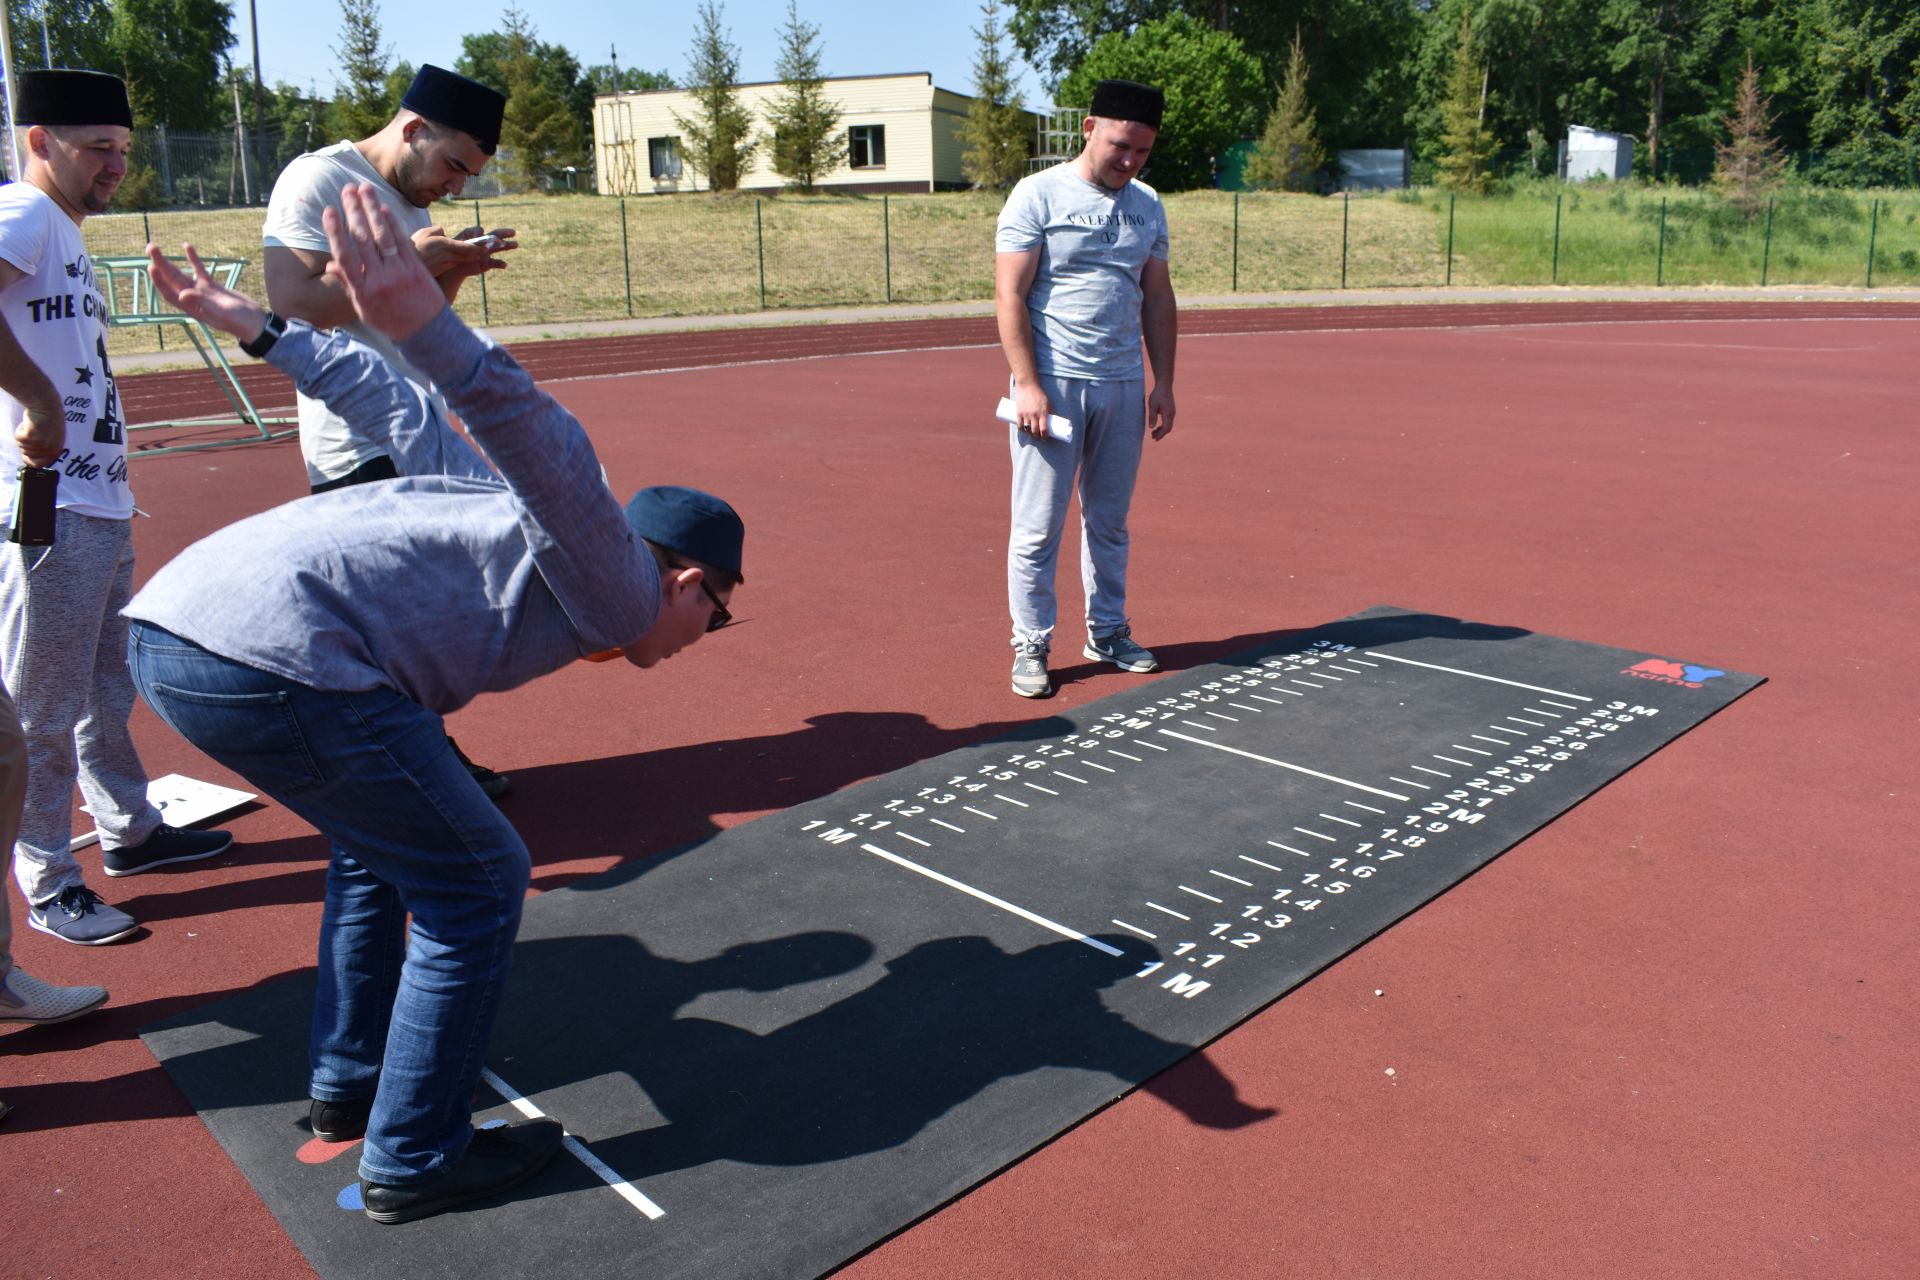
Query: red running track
[[1667, 1036]]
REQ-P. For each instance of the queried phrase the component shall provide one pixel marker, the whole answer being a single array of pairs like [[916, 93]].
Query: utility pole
[[259, 111], [6, 72]]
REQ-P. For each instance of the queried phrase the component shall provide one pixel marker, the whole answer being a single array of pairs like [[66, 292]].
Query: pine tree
[[1466, 144], [807, 141], [361, 107], [1289, 151], [538, 133], [1751, 165], [998, 133], [719, 136]]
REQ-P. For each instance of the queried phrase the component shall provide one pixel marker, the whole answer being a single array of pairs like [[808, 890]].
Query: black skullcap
[[697, 525], [65, 97], [1125, 100], [459, 103]]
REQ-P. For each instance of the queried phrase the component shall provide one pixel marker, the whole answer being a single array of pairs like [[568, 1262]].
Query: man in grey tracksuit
[[1080, 278]]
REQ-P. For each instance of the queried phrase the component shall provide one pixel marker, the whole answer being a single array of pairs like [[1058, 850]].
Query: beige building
[[903, 134]]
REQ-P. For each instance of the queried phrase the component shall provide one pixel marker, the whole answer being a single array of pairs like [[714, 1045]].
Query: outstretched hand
[[378, 267], [203, 297]]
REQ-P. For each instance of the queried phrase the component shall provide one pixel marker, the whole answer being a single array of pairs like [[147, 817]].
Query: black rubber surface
[[805, 1033]]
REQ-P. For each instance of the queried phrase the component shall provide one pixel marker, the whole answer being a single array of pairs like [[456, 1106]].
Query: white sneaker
[[24, 998]]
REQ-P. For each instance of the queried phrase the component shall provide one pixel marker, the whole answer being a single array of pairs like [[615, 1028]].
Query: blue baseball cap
[[695, 524]]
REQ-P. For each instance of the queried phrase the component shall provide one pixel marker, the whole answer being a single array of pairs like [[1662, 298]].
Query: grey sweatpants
[[63, 655], [13, 789], [1109, 422]]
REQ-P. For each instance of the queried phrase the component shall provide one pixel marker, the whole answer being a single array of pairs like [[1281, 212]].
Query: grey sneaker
[[1030, 669], [1118, 648], [79, 916], [24, 998]]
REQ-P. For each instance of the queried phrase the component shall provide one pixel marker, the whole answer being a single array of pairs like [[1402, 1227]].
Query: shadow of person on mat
[[683, 791], [851, 1059]]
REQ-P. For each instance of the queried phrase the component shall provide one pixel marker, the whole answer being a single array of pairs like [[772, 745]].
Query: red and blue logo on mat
[[1680, 673]]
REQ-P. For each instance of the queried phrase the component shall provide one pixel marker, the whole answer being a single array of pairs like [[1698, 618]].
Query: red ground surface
[[1666, 1036]]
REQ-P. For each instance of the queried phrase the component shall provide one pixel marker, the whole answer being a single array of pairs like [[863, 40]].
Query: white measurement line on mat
[[1064, 930], [1282, 764], [1434, 666], [578, 1149]]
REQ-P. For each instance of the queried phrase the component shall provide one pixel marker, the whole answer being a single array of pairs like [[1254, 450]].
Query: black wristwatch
[[269, 334]]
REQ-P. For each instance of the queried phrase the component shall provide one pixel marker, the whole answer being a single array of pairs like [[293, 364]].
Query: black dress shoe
[[495, 785], [339, 1121], [497, 1160]]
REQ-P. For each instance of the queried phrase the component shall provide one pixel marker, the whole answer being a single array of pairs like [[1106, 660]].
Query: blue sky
[[857, 37]]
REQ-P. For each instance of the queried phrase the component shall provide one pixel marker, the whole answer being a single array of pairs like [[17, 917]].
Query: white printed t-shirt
[[307, 187], [58, 316]]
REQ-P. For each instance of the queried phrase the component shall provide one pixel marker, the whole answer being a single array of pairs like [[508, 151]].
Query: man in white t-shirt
[[63, 643], [444, 133]]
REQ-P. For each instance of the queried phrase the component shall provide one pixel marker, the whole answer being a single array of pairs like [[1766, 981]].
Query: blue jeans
[[405, 1019]]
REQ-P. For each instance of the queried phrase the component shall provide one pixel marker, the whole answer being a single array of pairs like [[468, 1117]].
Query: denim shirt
[[451, 581]]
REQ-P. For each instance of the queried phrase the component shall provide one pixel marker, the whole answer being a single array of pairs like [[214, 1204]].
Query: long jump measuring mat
[[776, 1048]]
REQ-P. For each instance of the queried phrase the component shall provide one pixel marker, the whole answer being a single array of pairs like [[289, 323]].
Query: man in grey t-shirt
[[1080, 277]]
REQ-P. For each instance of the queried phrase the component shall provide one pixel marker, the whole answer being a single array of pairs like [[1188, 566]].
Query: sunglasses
[[721, 614]]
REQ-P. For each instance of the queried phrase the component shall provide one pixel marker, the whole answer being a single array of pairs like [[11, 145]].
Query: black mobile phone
[[34, 500]]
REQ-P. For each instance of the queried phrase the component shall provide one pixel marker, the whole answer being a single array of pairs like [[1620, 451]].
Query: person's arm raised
[[390, 288], [353, 380]]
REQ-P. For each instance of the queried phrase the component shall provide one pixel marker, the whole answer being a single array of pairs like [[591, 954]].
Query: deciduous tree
[[1214, 90]]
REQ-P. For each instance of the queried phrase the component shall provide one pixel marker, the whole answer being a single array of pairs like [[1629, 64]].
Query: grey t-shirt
[[1085, 300], [311, 184]]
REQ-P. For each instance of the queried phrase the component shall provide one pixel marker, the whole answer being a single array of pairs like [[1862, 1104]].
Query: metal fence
[[595, 258]]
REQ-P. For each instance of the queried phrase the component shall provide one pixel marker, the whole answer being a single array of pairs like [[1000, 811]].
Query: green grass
[[595, 258]]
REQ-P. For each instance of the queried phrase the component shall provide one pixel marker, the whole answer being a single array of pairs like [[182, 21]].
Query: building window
[[663, 157], [867, 146]]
